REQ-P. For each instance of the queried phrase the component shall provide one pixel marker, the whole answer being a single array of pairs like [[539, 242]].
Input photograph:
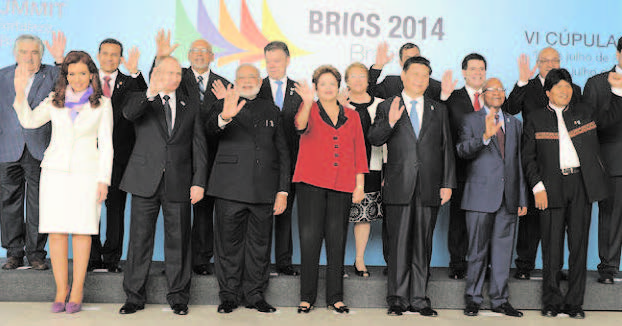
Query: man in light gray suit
[[21, 151], [494, 196]]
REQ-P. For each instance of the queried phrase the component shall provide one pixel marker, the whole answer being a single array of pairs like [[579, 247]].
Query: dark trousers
[[491, 235], [112, 249], [528, 237], [18, 181], [177, 254], [242, 244], [283, 246], [203, 231], [610, 230], [457, 237], [574, 218], [322, 215], [410, 230]]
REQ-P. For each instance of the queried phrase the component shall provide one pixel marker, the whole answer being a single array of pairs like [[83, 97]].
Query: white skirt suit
[[78, 158]]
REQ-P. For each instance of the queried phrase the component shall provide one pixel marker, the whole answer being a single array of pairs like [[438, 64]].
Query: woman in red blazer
[[330, 176]]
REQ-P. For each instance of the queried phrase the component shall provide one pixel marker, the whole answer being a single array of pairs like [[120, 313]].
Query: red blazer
[[331, 158]]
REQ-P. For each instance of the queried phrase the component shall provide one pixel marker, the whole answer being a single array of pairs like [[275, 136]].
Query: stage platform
[[283, 291]]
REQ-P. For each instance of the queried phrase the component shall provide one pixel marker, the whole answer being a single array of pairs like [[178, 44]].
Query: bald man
[[527, 97], [250, 181], [166, 170], [495, 194], [201, 85]]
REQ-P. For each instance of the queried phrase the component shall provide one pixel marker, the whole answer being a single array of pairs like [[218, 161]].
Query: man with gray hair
[[21, 151], [250, 181]]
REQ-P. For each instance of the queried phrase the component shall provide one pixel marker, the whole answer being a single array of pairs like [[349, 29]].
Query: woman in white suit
[[76, 167]]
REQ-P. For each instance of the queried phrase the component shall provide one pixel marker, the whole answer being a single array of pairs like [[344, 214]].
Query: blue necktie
[[201, 88], [414, 117], [279, 94]]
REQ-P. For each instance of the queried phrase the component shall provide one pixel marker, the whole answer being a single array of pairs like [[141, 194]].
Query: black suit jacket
[[541, 148], [597, 93], [532, 97], [123, 136], [459, 105], [291, 103], [392, 86], [180, 159], [426, 162], [252, 163]]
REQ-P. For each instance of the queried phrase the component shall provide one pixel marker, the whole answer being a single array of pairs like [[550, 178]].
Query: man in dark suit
[[528, 96], [21, 151], [460, 103], [117, 86], [418, 178], [167, 169], [392, 85], [279, 89], [250, 180], [201, 85], [494, 195], [561, 159], [597, 93]]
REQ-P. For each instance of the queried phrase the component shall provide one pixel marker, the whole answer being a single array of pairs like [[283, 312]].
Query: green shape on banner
[[185, 33]]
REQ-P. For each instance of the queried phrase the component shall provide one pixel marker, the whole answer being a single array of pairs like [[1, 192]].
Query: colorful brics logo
[[230, 43]]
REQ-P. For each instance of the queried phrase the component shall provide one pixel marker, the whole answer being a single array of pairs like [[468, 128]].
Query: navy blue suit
[[21, 152], [494, 190]]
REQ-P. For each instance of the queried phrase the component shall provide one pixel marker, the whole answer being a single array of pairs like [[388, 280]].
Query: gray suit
[[21, 151], [494, 190]]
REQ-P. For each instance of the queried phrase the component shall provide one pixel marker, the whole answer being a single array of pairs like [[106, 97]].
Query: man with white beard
[[250, 180]]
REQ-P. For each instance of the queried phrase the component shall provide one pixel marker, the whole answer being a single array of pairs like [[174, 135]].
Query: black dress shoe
[[457, 274], [204, 269], [341, 309], [605, 280], [287, 270], [425, 311], [574, 312], [13, 263], [304, 309], [262, 306], [395, 310], [93, 265], [472, 309], [180, 309], [549, 311], [130, 308], [522, 274], [507, 309], [113, 267], [38, 264], [227, 307]]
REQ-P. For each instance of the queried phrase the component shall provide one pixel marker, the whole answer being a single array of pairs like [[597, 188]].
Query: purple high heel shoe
[[58, 307], [73, 307]]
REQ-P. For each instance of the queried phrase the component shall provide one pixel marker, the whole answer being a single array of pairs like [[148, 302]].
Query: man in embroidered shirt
[[562, 163]]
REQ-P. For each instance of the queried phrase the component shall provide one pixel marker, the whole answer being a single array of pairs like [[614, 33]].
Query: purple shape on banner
[[206, 27]]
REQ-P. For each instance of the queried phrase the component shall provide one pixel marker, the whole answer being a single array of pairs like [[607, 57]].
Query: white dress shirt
[[471, 91], [205, 76]]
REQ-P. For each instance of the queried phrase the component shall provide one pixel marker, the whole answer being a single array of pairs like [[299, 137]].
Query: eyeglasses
[[200, 51], [557, 61], [494, 90]]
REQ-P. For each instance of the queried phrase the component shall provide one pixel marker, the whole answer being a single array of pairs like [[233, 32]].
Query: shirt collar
[[472, 91], [205, 75], [618, 69], [408, 99], [171, 96], [541, 79], [113, 76], [500, 113], [557, 108], [284, 80]]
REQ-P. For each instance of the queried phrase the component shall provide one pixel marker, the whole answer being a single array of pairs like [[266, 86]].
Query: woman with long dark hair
[[76, 167]]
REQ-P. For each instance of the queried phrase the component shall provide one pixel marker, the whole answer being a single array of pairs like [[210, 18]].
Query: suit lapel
[[427, 117], [405, 120], [158, 108], [34, 89], [266, 90], [180, 114], [467, 99]]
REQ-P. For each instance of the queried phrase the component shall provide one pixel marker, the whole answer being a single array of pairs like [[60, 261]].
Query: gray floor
[[30, 313]]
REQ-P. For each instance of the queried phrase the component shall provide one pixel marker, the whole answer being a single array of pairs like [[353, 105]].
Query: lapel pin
[[182, 103], [432, 107], [577, 122], [291, 91]]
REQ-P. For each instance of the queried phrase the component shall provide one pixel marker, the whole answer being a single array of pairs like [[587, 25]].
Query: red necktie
[[500, 137], [476, 105], [106, 86]]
